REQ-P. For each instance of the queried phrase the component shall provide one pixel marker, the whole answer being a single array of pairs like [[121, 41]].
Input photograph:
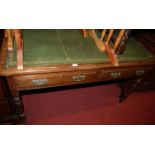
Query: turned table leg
[[16, 99]]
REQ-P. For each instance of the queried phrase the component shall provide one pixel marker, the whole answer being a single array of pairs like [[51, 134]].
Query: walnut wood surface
[[24, 82]]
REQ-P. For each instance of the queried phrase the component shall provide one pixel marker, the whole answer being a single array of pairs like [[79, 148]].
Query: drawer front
[[80, 77], [38, 80], [48, 80], [124, 73], [76, 77]]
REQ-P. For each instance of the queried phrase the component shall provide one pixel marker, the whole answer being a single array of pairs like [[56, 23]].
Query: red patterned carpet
[[89, 105]]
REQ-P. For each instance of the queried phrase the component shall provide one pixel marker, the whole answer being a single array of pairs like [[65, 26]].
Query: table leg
[[129, 86], [16, 99]]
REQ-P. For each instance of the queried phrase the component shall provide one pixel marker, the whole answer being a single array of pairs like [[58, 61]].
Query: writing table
[[63, 57]]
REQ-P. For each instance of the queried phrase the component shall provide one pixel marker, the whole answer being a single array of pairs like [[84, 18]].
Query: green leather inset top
[[50, 47]]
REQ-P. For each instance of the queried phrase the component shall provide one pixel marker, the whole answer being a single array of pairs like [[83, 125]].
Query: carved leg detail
[[18, 109], [16, 99]]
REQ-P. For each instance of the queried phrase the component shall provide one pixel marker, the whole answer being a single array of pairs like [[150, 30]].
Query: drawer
[[54, 79], [80, 77], [124, 73], [38, 80]]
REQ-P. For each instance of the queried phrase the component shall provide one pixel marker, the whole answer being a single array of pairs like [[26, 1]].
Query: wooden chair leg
[[84, 33], [112, 55], [9, 35], [97, 41], [122, 45], [19, 43], [119, 38], [104, 42], [103, 34], [109, 36]]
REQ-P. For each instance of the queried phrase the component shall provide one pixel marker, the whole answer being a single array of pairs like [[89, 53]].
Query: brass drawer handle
[[140, 72], [78, 78], [40, 82], [115, 74]]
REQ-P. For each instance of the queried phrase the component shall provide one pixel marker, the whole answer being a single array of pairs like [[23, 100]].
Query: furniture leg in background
[[127, 87], [141, 84]]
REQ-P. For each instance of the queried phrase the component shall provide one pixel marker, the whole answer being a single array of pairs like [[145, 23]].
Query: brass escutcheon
[[40, 82], [115, 74], [78, 78]]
